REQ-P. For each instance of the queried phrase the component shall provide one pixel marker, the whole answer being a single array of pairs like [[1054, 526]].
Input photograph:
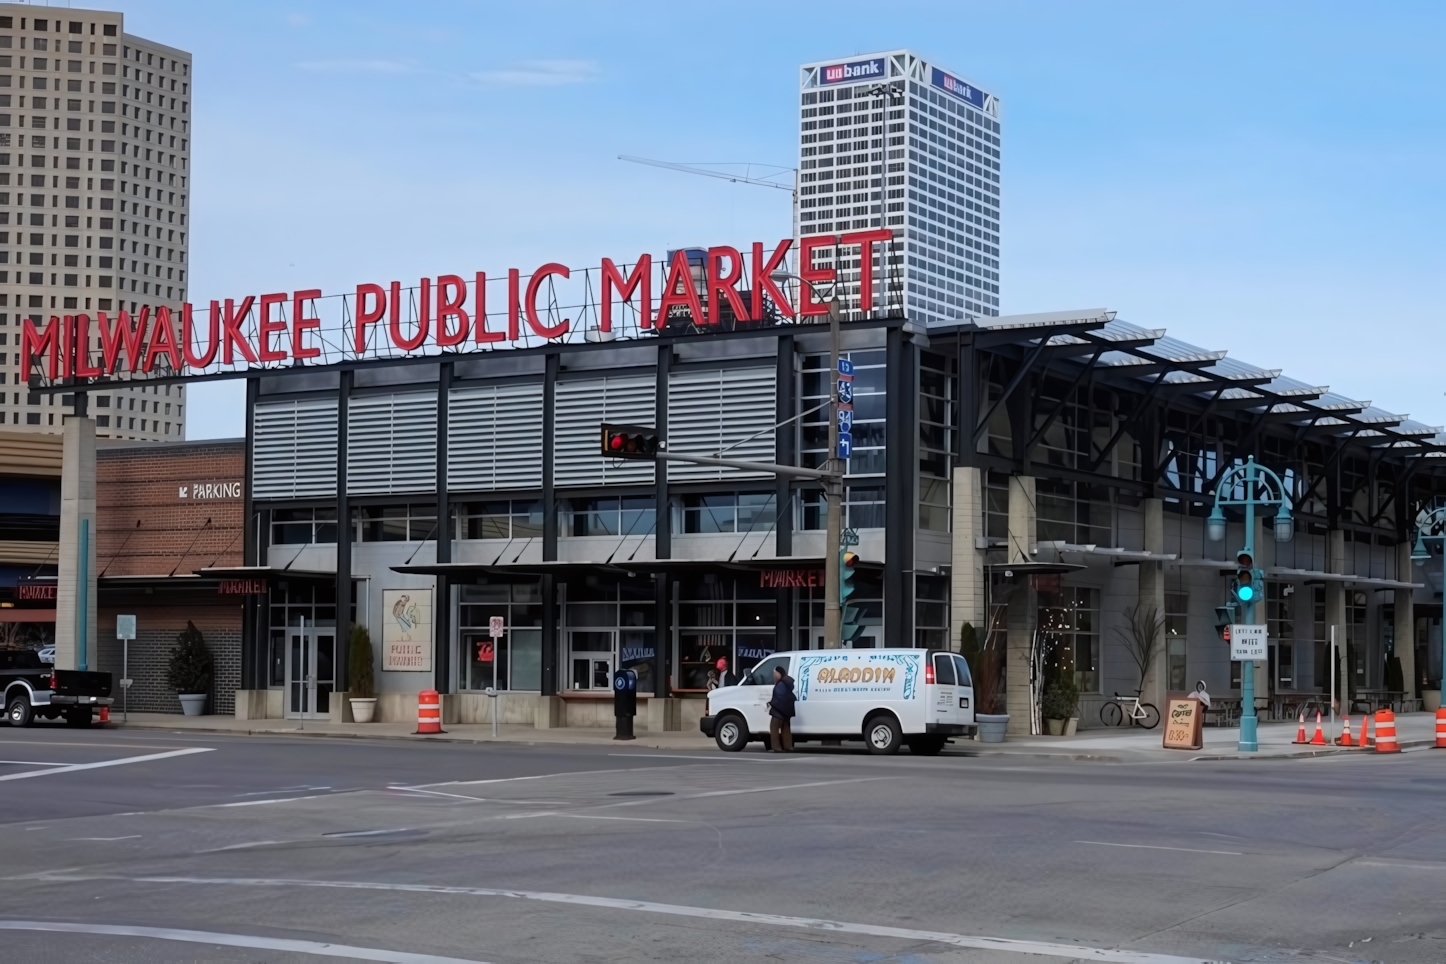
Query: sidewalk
[[1130, 745]]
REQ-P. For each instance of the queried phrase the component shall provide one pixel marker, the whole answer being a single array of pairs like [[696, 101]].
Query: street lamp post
[[1430, 524], [832, 482], [1260, 487]]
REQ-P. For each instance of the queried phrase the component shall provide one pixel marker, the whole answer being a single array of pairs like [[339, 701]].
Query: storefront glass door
[[592, 659], [310, 670]]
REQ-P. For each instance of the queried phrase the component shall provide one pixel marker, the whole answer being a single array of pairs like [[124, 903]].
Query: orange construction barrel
[[1441, 728], [1386, 732], [429, 712]]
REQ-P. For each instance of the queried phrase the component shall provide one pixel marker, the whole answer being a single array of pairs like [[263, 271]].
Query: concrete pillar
[[1023, 604], [1335, 600], [966, 583], [1405, 618], [1152, 596], [77, 505]]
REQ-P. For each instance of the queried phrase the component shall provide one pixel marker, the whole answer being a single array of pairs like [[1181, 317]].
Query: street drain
[[642, 793]]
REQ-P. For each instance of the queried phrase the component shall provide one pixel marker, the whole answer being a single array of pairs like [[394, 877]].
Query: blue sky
[[1264, 178]]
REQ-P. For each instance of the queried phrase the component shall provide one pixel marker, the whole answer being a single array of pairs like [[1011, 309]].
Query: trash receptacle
[[625, 702]]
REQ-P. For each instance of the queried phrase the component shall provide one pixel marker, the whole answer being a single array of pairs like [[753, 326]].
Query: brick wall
[[150, 653], [144, 526]]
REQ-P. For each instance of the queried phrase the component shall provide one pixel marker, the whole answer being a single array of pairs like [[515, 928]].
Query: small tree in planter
[[360, 675], [191, 670], [986, 665]]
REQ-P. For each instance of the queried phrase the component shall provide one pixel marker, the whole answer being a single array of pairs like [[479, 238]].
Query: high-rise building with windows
[[95, 147], [892, 140]]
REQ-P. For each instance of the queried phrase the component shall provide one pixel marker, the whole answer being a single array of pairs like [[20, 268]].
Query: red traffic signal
[[629, 442]]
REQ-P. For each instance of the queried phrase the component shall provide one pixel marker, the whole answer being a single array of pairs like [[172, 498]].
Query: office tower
[[95, 147], [892, 140]]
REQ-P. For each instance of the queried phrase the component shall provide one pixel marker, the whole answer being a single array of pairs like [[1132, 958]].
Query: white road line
[[259, 803], [705, 759], [539, 776], [1069, 951], [1141, 846], [134, 836], [32, 763], [74, 767], [234, 940]]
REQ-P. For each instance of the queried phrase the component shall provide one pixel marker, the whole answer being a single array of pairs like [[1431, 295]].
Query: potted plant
[[360, 676], [1059, 705], [190, 670], [987, 668]]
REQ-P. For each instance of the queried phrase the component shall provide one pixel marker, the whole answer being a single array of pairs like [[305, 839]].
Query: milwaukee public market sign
[[283, 330]]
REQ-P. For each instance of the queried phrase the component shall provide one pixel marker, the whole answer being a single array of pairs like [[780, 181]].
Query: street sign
[[494, 627], [125, 627], [845, 367], [846, 420], [1247, 642], [845, 445], [846, 391]]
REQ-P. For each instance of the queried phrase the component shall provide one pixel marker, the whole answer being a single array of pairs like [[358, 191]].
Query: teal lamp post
[[1249, 485], [1431, 524]]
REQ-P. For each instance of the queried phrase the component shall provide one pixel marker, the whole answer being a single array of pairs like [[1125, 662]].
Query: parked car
[[884, 697], [34, 689], [47, 655]]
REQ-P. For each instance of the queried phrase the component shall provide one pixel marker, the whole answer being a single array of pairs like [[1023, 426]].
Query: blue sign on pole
[[845, 445], [845, 367], [845, 421], [845, 392]]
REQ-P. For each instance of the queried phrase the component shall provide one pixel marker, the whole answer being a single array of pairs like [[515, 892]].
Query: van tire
[[926, 745], [731, 734], [882, 734], [18, 711]]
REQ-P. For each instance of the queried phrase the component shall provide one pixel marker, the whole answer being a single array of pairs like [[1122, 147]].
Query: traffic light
[[1224, 617], [849, 625], [629, 442], [1248, 587]]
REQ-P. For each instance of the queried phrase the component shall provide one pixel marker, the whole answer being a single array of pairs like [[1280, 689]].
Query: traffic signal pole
[[1249, 743]]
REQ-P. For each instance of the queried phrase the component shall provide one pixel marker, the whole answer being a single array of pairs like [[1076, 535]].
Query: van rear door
[[945, 682], [963, 693]]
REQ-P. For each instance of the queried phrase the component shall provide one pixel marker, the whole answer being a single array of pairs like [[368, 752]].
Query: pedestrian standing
[[780, 712]]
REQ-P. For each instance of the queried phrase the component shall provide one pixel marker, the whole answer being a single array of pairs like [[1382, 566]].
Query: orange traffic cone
[[1300, 733], [1366, 743], [1319, 738], [1386, 732], [1345, 738], [1441, 728], [105, 714]]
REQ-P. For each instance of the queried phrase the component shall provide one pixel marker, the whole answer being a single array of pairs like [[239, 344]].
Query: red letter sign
[[679, 290], [231, 333], [724, 284], [367, 316], [763, 282], [865, 240], [450, 306], [535, 282], [806, 271], [212, 343], [642, 277], [301, 323]]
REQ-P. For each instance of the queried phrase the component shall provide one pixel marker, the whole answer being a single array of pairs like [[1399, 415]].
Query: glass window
[[1069, 621], [626, 516], [724, 512], [762, 674], [517, 656], [961, 665], [815, 385], [944, 669], [1177, 607], [517, 519], [297, 527]]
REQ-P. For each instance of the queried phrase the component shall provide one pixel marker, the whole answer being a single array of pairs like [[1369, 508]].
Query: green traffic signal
[[849, 625]]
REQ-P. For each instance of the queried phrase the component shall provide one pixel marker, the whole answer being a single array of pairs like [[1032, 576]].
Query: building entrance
[[592, 659], [310, 670]]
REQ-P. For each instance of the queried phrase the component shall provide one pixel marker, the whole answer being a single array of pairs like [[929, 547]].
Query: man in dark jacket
[[780, 712]]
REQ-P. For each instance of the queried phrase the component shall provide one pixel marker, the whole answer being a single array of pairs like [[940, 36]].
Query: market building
[[417, 468]]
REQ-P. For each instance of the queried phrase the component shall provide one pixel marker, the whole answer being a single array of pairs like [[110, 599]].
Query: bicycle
[[1120, 708]]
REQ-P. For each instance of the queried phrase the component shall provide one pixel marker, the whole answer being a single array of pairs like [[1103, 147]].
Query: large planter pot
[[991, 726], [192, 704], [363, 708], [1056, 727], [1070, 725], [1431, 700]]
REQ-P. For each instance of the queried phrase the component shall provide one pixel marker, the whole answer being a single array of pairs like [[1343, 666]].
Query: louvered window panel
[[391, 444], [713, 409], [294, 452], [494, 437], [582, 406]]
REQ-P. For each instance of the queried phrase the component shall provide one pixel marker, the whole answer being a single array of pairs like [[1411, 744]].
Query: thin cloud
[[541, 73], [359, 67]]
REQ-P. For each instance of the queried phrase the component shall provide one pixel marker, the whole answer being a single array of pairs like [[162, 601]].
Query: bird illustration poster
[[407, 630]]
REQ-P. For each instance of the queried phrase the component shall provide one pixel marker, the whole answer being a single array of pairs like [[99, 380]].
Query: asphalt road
[[174, 847]]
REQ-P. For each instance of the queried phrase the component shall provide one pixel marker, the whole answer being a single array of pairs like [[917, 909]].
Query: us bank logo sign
[[847, 73], [965, 91]]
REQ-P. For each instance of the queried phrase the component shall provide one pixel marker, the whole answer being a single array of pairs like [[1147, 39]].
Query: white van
[[884, 697]]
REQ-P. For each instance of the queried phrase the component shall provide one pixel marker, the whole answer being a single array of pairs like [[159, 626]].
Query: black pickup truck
[[34, 689]]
